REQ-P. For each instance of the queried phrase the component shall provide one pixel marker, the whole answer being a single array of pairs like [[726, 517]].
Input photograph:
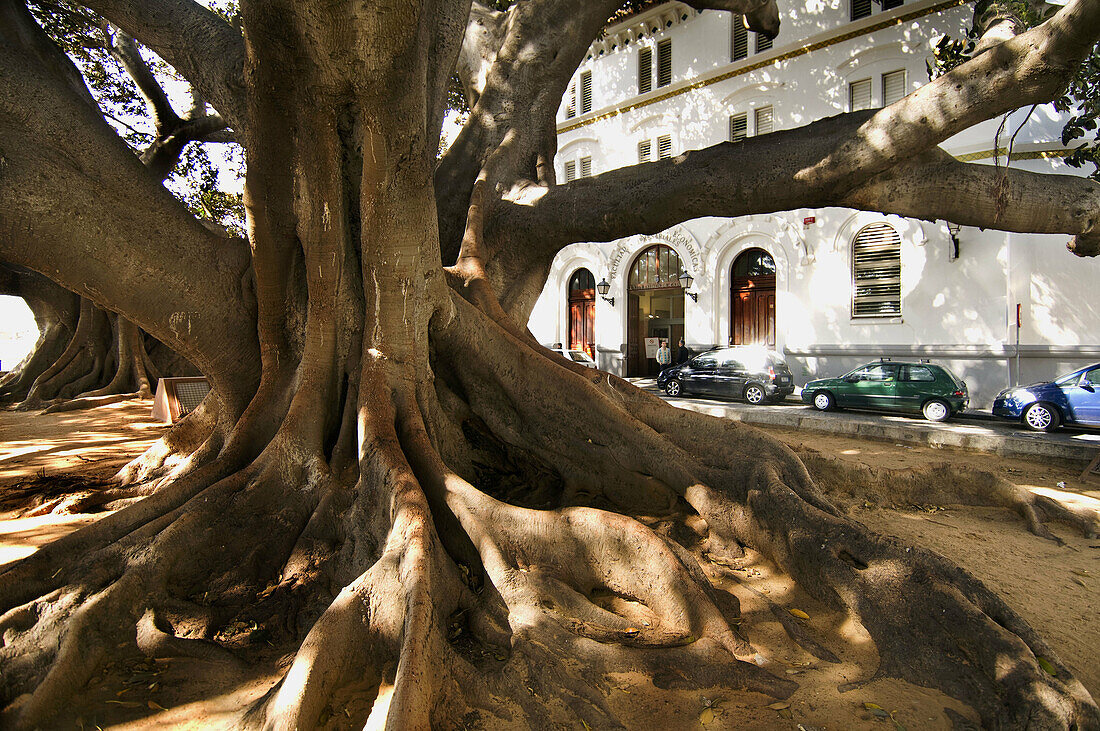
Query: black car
[[752, 373]]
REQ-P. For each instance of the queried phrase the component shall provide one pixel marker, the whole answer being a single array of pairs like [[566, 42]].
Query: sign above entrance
[[809, 220], [677, 237]]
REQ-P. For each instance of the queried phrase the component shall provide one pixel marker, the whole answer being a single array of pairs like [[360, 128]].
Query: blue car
[[1071, 399]]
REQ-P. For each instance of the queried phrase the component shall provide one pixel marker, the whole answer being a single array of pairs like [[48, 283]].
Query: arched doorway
[[752, 299], [655, 308], [582, 312]]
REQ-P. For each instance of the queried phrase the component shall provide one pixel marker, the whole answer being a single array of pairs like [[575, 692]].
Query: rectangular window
[[859, 95], [876, 272], [586, 92], [893, 87], [763, 43], [645, 70], [763, 119], [739, 126], [570, 171], [664, 63], [664, 147], [586, 167], [571, 101], [739, 40], [645, 149], [860, 9]]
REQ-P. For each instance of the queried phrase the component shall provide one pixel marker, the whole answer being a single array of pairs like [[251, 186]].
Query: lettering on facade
[[678, 239]]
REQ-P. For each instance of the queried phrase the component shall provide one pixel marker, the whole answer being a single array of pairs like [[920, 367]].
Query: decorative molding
[[1003, 152], [643, 26], [678, 237]]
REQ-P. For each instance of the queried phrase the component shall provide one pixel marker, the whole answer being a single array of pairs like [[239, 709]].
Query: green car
[[889, 385]]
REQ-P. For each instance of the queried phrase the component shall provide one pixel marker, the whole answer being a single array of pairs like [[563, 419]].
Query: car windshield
[[1069, 379], [580, 356], [756, 359]]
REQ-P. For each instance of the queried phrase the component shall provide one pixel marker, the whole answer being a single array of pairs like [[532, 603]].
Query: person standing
[[683, 355], [664, 355]]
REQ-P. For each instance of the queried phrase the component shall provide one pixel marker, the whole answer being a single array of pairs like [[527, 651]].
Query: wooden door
[[582, 326], [753, 320]]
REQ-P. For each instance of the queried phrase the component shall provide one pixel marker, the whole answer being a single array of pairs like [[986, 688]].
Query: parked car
[[577, 356], [1071, 399], [922, 387], [752, 373]]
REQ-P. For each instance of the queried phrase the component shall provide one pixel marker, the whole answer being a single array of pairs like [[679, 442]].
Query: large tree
[[407, 491]]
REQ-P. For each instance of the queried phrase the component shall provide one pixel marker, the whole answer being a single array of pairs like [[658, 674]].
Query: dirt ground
[[45, 459]]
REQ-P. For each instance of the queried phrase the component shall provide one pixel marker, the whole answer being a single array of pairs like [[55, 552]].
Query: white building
[[829, 288]]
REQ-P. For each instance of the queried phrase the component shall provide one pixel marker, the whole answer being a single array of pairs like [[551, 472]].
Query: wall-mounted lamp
[[603, 288], [685, 282], [953, 231]]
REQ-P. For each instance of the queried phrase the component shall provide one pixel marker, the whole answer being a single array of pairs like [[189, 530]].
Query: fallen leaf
[[706, 716], [872, 706], [1078, 581], [798, 613], [156, 706], [1081, 572], [779, 706], [1045, 665]]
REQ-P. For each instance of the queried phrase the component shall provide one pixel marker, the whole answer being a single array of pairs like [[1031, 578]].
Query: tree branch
[[82, 210], [202, 47], [124, 50]]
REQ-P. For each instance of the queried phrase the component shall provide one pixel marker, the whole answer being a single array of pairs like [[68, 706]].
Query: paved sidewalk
[[980, 432]]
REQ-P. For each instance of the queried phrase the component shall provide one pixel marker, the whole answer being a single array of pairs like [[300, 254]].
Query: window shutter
[[859, 95], [664, 147], [645, 148], [586, 167], [763, 120], [570, 171], [860, 9], [571, 104], [645, 70], [893, 87], [664, 63], [739, 41], [876, 272], [586, 92], [739, 126], [763, 43]]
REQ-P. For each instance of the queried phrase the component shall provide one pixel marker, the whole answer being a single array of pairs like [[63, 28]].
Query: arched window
[[754, 263], [582, 285], [656, 268], [876, 272]]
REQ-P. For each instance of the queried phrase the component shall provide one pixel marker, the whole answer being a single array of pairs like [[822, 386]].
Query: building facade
[[828, 288]]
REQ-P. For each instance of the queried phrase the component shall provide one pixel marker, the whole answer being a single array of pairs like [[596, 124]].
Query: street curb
[[950, 434]]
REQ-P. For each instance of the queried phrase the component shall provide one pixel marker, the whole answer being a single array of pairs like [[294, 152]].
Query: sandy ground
[[1054, 587]]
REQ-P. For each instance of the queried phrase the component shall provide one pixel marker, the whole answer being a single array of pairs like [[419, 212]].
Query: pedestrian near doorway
[[664, 355], [683, 355]]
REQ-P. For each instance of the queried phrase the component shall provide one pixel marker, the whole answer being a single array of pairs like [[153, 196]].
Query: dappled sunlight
[[1069, 499]]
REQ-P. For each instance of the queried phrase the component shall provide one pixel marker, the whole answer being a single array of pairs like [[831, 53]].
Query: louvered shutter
[[664, 63], [859, 95], [739, 126], [763, 120], [586, 167], [571, 104], [645, 149], [664, 147], [570, 171], [860, 9], [645, 70], [763, 43], [876, 272], [739, 41], [893, 87], [586, 92]]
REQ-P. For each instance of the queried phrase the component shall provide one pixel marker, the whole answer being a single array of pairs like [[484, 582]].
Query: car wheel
[[754, 394], [1042, 417], [824, 401], [936, 410], [672, 388]]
